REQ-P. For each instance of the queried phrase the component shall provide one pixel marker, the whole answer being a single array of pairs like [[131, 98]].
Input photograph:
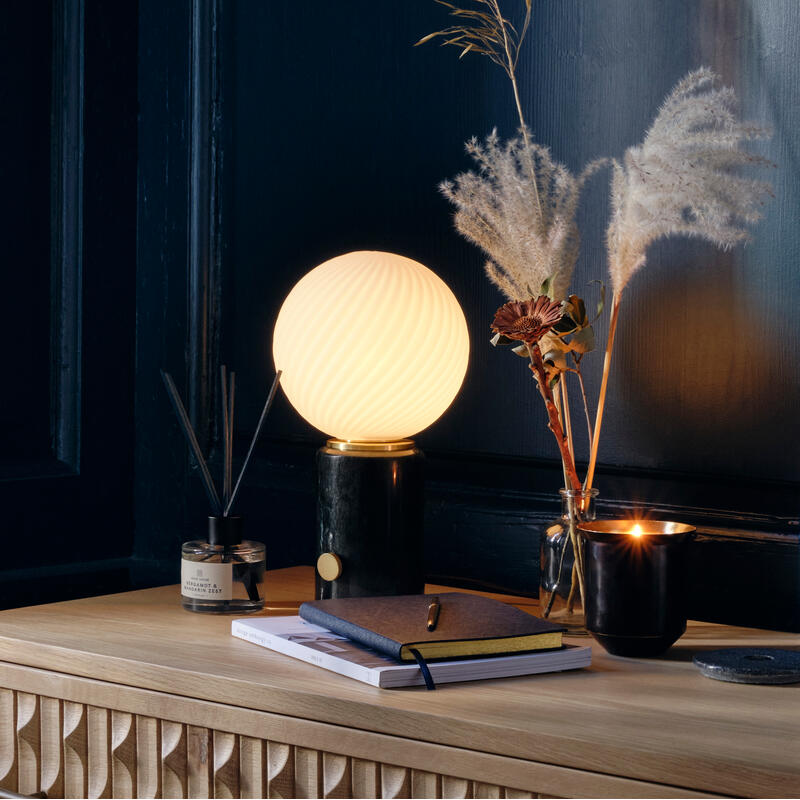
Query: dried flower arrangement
[[520, 206]]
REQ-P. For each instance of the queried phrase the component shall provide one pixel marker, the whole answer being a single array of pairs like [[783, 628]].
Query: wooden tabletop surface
[[653, 719]]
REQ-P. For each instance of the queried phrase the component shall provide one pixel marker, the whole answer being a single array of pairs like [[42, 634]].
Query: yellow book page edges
[[483, 647]]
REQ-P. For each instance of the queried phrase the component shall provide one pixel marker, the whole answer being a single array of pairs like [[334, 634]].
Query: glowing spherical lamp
[[373, 348]]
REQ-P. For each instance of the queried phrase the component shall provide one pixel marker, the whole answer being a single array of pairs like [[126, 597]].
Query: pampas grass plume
[[519, 208], [682, 178]]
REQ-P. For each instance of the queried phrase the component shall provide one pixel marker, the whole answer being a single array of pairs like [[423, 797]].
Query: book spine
[[382, 644], [280, 645]]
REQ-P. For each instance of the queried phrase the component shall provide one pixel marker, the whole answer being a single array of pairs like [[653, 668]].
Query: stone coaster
[[750, 665]]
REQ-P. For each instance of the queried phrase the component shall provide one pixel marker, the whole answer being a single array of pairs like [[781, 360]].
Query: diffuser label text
[[204, 581]]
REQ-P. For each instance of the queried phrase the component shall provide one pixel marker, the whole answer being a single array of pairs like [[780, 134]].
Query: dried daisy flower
[[527, 321]]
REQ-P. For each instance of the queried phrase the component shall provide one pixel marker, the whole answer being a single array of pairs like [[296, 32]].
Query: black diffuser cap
[[225, 531]]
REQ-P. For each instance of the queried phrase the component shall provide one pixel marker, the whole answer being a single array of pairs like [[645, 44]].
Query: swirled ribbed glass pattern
[[373, 346]]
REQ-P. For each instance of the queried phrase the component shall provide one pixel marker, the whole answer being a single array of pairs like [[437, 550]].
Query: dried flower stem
[[537, 366], [572, 586], [575, 583], [557, 399], [567, 418], [578, 564], [527, 140], [585, 399], [601, 401], [576, 578], [511, 70]]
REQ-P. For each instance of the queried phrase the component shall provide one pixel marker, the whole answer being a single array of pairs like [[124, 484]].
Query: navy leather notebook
[[468, 625]]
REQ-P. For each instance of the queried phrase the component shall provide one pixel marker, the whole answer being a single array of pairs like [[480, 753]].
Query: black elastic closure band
[[423, 668]]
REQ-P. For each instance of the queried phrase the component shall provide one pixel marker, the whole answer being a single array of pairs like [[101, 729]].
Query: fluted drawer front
[[68, 749]]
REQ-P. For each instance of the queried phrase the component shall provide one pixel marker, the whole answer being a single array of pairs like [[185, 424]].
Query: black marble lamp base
[[370, 520]]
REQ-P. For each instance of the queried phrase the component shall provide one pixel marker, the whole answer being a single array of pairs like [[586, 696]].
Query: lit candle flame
[[637, 530]]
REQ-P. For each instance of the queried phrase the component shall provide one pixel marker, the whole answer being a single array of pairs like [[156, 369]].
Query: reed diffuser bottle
[[223, 574]]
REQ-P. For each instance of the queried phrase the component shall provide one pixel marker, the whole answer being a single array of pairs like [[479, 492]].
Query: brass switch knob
[[329, 566]]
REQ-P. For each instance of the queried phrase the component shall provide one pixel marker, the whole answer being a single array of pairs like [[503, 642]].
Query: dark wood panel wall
[[179, 280], [24, 415], [339, 133], [328, 132], [271, 136], [68, 136]]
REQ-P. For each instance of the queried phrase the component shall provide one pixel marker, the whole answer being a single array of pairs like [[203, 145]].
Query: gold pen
[[433, 613]]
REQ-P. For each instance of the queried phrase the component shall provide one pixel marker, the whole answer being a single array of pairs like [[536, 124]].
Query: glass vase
[[561, 576]]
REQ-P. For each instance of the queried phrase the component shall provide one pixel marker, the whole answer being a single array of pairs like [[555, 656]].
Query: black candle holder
[[635, 584]]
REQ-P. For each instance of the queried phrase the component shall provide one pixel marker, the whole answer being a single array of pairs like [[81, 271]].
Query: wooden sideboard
[[128, 695]]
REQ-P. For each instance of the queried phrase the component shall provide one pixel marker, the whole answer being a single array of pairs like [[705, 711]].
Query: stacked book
[[415, 640]]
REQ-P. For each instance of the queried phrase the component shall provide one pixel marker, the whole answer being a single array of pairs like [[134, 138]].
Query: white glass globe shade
[[373, 347]]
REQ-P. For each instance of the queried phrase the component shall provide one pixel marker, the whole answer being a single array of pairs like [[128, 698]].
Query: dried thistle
[[682, 178], [519, 208]]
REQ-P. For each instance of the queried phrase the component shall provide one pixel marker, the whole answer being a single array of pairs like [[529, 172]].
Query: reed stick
[[229, 448], [264, 412], [601, 402], [191, 438], [226, 489]]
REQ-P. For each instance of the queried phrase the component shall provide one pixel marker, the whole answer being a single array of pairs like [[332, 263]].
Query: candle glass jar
[[561, 576]]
